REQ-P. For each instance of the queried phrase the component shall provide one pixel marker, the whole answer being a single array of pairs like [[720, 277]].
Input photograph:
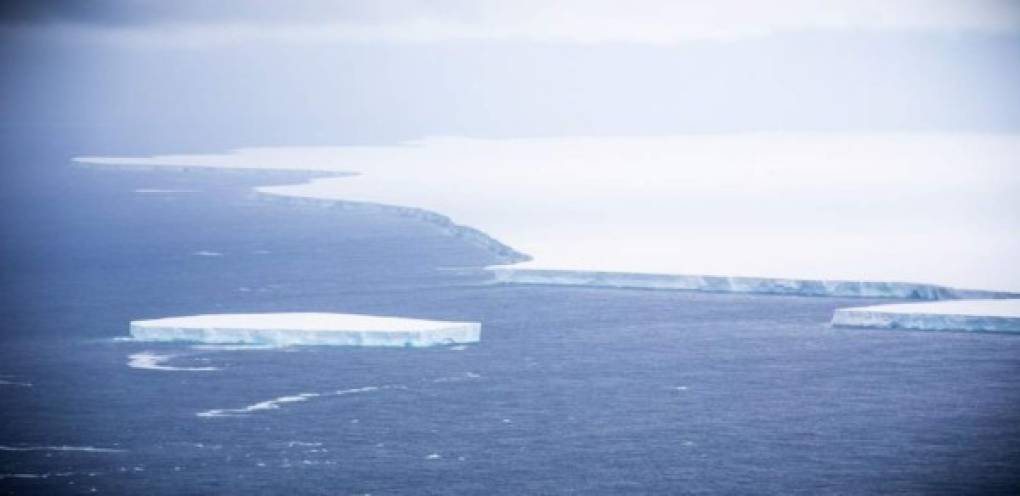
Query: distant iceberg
[[286, 329], [959, 315]]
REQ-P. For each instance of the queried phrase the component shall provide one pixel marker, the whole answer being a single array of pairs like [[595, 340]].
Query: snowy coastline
[[900, 216]]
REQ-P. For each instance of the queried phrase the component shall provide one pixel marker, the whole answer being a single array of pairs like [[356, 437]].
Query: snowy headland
[[927, 209], [287, 329], [915, 216]]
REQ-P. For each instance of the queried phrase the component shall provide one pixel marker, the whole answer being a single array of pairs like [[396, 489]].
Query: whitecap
[[272, 404], [276, 403], [467, 376], [302, 443], [89, 449], [164, 191], [207, 253], [4, 382]]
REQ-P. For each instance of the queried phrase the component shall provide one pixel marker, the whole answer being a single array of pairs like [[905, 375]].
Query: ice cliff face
[[287, 329], [723, 284]]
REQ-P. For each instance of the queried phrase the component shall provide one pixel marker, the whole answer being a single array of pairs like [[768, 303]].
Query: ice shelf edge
[[726, 284]]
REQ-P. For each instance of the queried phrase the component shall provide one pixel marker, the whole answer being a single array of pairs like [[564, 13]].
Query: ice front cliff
[[288, 329]]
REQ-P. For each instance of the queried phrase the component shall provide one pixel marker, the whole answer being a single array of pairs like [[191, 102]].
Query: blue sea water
[[570, 391]]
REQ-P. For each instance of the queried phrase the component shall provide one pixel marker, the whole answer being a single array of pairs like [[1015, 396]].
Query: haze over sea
[[851, 139], [570, 390]]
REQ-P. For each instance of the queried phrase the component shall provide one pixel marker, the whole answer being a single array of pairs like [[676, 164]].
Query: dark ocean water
[[571, 390]]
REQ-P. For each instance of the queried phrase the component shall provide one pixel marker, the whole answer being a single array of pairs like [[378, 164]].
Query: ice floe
[[151, 361]]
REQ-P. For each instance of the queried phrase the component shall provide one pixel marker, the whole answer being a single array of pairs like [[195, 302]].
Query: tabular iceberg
[[960, 315], [285, 329]]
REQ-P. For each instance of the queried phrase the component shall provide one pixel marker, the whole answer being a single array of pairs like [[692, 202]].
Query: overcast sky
[[268, 72]]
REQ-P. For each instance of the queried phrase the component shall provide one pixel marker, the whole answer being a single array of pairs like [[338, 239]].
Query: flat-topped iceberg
[[960, 315], [285, 329]]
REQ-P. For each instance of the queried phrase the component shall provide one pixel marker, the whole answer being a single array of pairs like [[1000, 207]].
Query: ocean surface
[[570, 391]]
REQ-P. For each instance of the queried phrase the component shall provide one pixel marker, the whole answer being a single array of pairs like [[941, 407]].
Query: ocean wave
[[42, 476], [303, 444], [5, 382], [466, 376], [277, 403], [164, 191], [87, 449]]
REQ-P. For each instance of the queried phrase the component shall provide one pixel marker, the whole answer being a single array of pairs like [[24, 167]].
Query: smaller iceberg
[[287, 329], [953, 315]]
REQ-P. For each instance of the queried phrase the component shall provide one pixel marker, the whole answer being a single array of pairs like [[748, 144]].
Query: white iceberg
[[959, 315], [151, 361], [286, 329]]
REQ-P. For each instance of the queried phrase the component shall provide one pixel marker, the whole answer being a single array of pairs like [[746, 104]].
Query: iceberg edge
[[961, 315], [305, 329]]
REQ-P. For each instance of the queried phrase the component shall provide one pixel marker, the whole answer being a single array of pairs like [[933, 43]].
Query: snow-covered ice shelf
[[285, 329], [959, 315], [928, 210]]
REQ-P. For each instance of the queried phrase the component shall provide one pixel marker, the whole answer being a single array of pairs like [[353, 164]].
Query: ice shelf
[[285, 329], [929, 211], [960, 315], [726, 284]]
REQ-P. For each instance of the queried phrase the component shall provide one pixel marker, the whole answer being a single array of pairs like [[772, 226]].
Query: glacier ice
[[773, 208], [726, 284], [1001, 315], [285, 329]]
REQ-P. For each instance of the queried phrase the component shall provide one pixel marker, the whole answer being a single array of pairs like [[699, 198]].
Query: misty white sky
[[201, 73]]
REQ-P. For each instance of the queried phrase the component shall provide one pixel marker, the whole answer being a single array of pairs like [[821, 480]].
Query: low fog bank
[[163, 98]]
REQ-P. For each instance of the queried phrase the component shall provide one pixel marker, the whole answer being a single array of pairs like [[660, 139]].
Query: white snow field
[[896, 215], [968, 315], [287, 329]]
